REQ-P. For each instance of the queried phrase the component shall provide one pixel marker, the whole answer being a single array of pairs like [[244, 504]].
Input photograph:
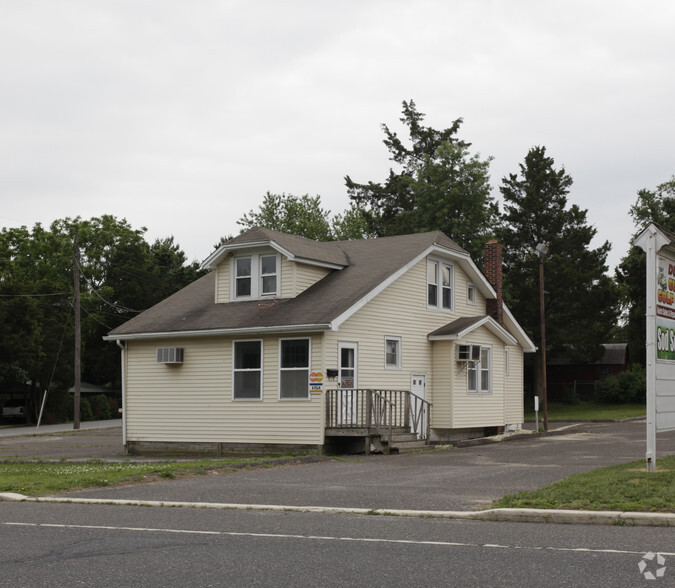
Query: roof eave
[[310, 328], [488, 322]]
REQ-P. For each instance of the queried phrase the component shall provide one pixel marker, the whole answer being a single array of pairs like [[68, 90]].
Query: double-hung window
[[294, 368], [479, 373], [439, 284], [256, 276], [392, 352], [247, 372]]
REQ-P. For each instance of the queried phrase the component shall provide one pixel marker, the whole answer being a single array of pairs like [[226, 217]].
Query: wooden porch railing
[[377, 411]]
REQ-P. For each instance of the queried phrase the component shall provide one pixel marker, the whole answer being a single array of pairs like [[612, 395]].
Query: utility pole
[[542, 250], [78, 334]]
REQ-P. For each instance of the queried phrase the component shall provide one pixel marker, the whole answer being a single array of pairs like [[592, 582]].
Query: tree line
[[435, 183], [121, 274]]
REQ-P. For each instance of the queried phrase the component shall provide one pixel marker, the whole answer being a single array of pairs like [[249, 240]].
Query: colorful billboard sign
[[665, 308]]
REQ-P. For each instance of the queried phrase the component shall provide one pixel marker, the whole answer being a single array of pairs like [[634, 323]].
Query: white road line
[[333, 538]]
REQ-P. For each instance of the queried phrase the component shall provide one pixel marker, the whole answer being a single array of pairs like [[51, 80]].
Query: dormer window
[[268, 274], [243, 279], [256, 276]]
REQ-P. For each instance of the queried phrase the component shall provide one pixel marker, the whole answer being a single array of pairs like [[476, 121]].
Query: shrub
[[100, 407], [626, 387], [85, 410]]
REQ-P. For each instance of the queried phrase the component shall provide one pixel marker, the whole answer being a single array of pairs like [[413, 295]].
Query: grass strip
[[626, 487], [43, 478], [589, 411]]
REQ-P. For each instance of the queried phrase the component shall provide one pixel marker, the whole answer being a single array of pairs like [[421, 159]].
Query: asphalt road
[[455, 479], [68, 544]]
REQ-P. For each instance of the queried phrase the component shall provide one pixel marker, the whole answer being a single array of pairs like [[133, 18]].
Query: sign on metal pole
[[659, 245]]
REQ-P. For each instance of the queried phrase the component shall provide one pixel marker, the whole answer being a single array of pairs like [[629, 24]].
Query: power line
[[93, 289], [32, 295]]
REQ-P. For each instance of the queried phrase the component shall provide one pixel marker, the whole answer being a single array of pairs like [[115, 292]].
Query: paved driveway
[[454, 479]]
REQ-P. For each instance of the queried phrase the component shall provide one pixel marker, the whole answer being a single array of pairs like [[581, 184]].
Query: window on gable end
[[471, 294], [440, 280]]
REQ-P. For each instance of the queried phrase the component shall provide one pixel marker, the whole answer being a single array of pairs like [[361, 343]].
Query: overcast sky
[[179, 116]]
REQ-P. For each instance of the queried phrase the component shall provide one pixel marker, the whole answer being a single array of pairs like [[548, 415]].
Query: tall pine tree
[[580, 299]]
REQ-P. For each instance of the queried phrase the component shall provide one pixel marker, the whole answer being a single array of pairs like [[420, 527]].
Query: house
[[565, 377], [288, 344]]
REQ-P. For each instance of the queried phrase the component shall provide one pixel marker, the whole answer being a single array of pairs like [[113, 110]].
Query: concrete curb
[[517, 515]]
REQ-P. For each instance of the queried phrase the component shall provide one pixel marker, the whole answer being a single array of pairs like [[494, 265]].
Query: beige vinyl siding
[[462, 306], [513, 388], [193, 402], [223, 280], [478, 409], [441, 412], [401, 311], [297, 277]]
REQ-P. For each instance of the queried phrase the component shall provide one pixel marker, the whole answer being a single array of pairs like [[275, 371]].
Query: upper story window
[[256, 276], [471, 294], [440, 278]]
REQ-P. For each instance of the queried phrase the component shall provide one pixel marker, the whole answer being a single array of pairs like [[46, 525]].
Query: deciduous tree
[[651, 206]]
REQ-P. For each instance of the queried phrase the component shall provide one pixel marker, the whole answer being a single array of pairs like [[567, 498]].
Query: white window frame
[[477, 368], [236, 370], [399, 348], [296, 369], [471, 293], [438, 265], [507, 359], [256, 276]]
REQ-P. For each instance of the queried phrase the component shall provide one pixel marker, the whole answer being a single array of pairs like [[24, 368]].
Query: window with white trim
[[294, 357], [247, 370], [392, 353], [479, 373], [471, 294], [440, 278], [256, 276]]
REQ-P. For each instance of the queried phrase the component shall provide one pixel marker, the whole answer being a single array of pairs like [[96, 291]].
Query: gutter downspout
[[122, 347]]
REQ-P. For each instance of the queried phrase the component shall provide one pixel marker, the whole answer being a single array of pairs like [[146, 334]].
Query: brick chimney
[[493, 272]]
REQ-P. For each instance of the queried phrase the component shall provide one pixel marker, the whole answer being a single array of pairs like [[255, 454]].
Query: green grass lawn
[[588, 411], [627, 487], [42, 478]]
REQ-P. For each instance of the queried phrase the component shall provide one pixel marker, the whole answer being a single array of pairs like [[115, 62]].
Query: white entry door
[[347, 382], [418, 386]]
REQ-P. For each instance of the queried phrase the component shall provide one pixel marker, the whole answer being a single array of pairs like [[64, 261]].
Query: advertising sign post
[[659, 246]]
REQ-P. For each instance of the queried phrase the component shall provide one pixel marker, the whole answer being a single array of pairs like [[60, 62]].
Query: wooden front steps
[[401, 442]]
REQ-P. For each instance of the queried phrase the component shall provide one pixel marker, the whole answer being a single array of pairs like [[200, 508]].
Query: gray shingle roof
[[367, 263]]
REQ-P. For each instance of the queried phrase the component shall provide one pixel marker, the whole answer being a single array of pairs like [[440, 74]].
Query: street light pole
[[542, 250]]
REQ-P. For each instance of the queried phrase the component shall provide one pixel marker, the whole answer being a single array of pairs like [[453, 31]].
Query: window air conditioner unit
[[468, 353], [169, 355]]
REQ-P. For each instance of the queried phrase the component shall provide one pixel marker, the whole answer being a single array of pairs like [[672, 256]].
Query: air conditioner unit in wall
[[468, 353], [170, 355]]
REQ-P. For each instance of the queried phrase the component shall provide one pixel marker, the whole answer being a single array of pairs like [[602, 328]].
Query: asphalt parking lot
[[463, 478]]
